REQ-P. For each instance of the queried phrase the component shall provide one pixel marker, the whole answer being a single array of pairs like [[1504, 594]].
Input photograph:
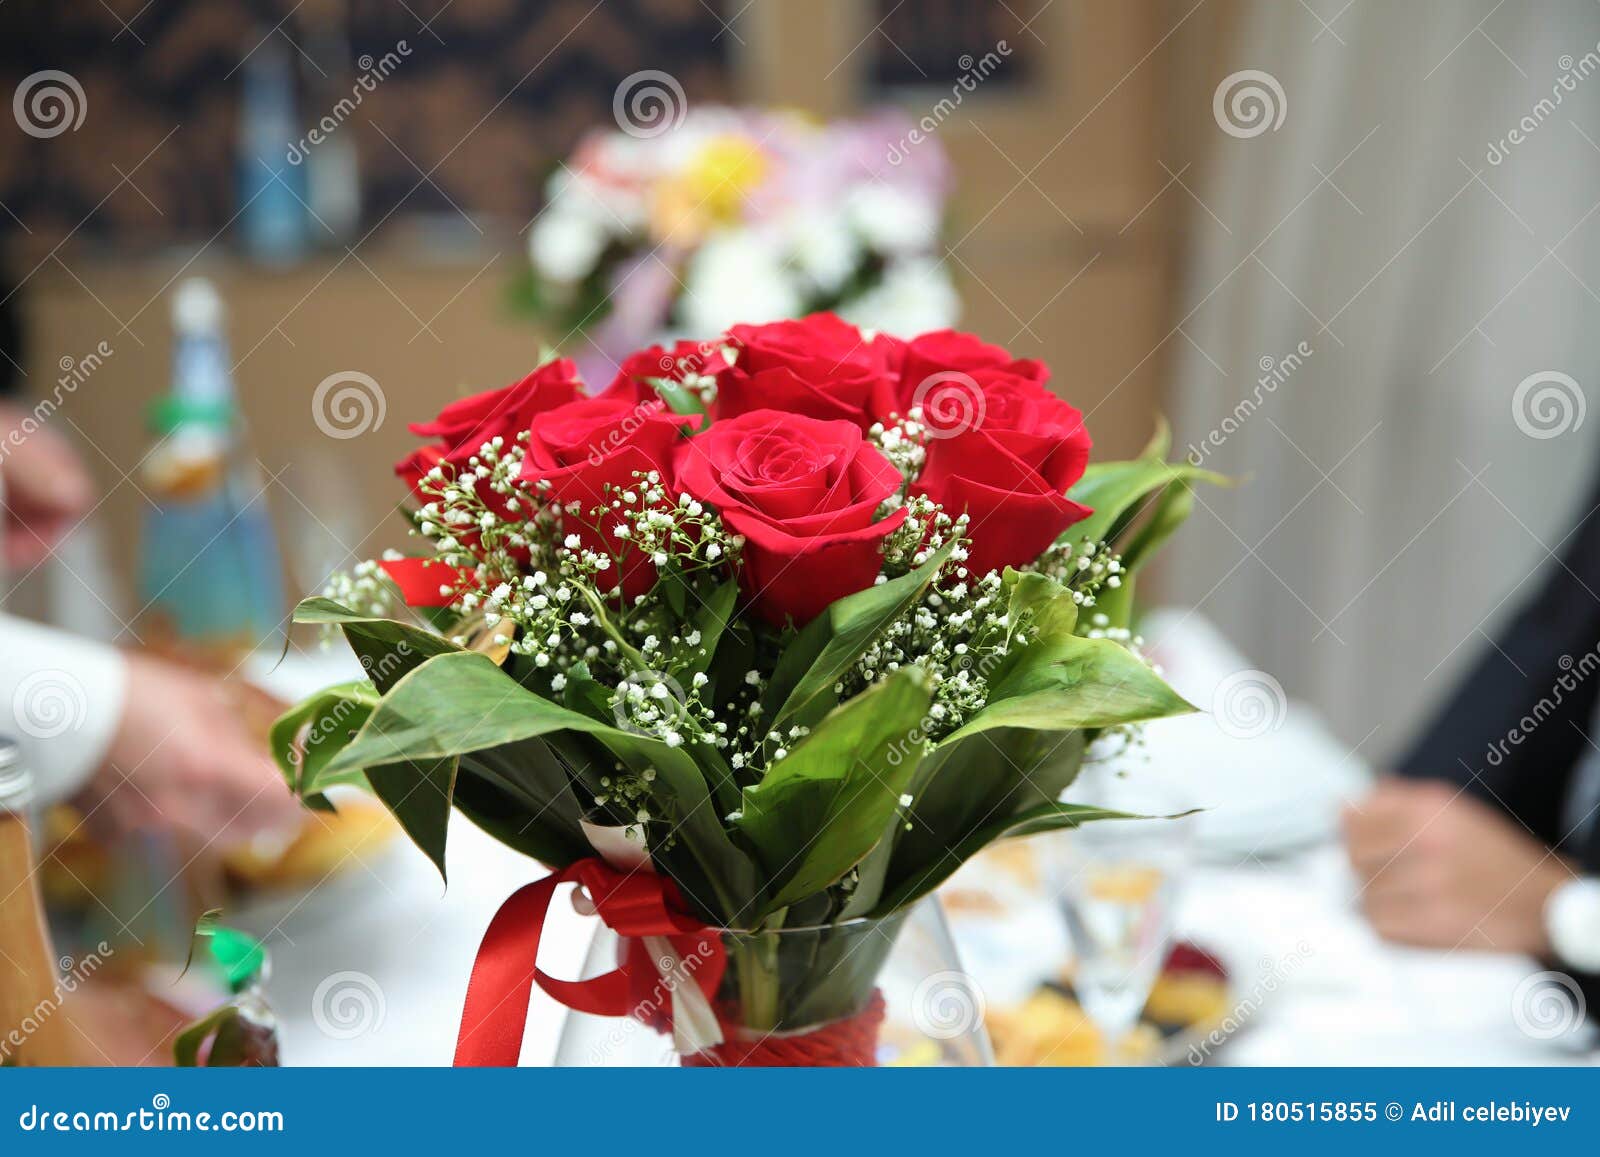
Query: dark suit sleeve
[[10, 337], [1519, 724]]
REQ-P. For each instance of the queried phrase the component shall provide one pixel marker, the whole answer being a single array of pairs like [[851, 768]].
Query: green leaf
[[549, 834], [387, 649], [711, 620], [1078, 683], [186, 1046], [1041, 601], [1118, 491], [801, 690], [823, 806], [462, 702], [418, 793], [307, 736], [966, 783], [1045, 817], [1170, 511], [1160, 444], [1167, 514], [871, 873], [680, 399]]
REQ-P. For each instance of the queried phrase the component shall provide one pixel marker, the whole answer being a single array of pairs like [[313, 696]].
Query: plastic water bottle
[[210, 577]]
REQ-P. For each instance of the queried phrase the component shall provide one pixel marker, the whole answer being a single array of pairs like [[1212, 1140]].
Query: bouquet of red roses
[[774, 632]]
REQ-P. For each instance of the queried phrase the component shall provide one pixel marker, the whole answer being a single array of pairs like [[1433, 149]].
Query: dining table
[[369, 967]]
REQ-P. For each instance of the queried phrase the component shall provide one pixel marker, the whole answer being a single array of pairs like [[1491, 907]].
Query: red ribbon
[[632, 904]]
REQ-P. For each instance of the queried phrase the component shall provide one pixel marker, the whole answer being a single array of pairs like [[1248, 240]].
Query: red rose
[[1009, 466], [466, 424], [591, 449], [803, 492], [414, 467], [941, 373], [820, 367], [686, 358]]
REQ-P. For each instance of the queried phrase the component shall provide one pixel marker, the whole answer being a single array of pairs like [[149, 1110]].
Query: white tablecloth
[[370, 968]]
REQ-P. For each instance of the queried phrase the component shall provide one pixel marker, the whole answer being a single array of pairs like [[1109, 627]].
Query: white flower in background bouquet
[[735, 215]]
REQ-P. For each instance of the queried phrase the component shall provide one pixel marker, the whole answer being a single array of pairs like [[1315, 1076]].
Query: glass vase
[[861, 992]]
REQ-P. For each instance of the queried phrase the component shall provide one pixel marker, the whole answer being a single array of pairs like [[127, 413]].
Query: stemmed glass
[[1117, 885]]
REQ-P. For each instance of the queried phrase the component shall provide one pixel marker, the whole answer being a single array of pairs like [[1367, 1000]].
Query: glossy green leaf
[[1119, 491], [1044, 817], [461, 703], [823, 806], [1080, 683], [418, 793], [711, 619], [306, 737], [801, 689], [386, 648], [680, 399]]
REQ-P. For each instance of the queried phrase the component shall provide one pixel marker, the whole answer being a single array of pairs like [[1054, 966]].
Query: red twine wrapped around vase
[[848, 1043], [635, 905]]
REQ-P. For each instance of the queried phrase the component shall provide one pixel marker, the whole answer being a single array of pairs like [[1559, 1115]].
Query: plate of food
[[1189, 1002]]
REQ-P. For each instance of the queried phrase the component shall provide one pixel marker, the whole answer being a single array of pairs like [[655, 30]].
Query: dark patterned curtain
[[489, 95]]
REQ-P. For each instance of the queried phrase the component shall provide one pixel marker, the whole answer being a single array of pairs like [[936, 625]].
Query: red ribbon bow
[[633, 904]]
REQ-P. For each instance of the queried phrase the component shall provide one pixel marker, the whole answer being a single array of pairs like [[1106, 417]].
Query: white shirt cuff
[[61, 699], [1572, 920]]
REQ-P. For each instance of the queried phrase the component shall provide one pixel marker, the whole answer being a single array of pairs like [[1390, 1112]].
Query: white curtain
[[1393, 510]]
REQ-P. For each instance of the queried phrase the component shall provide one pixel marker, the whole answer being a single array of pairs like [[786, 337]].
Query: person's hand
[[183, 760], [1440, 868], [45, 485]]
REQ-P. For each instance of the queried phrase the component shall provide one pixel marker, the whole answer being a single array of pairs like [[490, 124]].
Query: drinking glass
[[1117, 885]]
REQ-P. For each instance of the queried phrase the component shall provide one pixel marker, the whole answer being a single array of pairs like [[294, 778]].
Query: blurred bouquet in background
[[685, 225]]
